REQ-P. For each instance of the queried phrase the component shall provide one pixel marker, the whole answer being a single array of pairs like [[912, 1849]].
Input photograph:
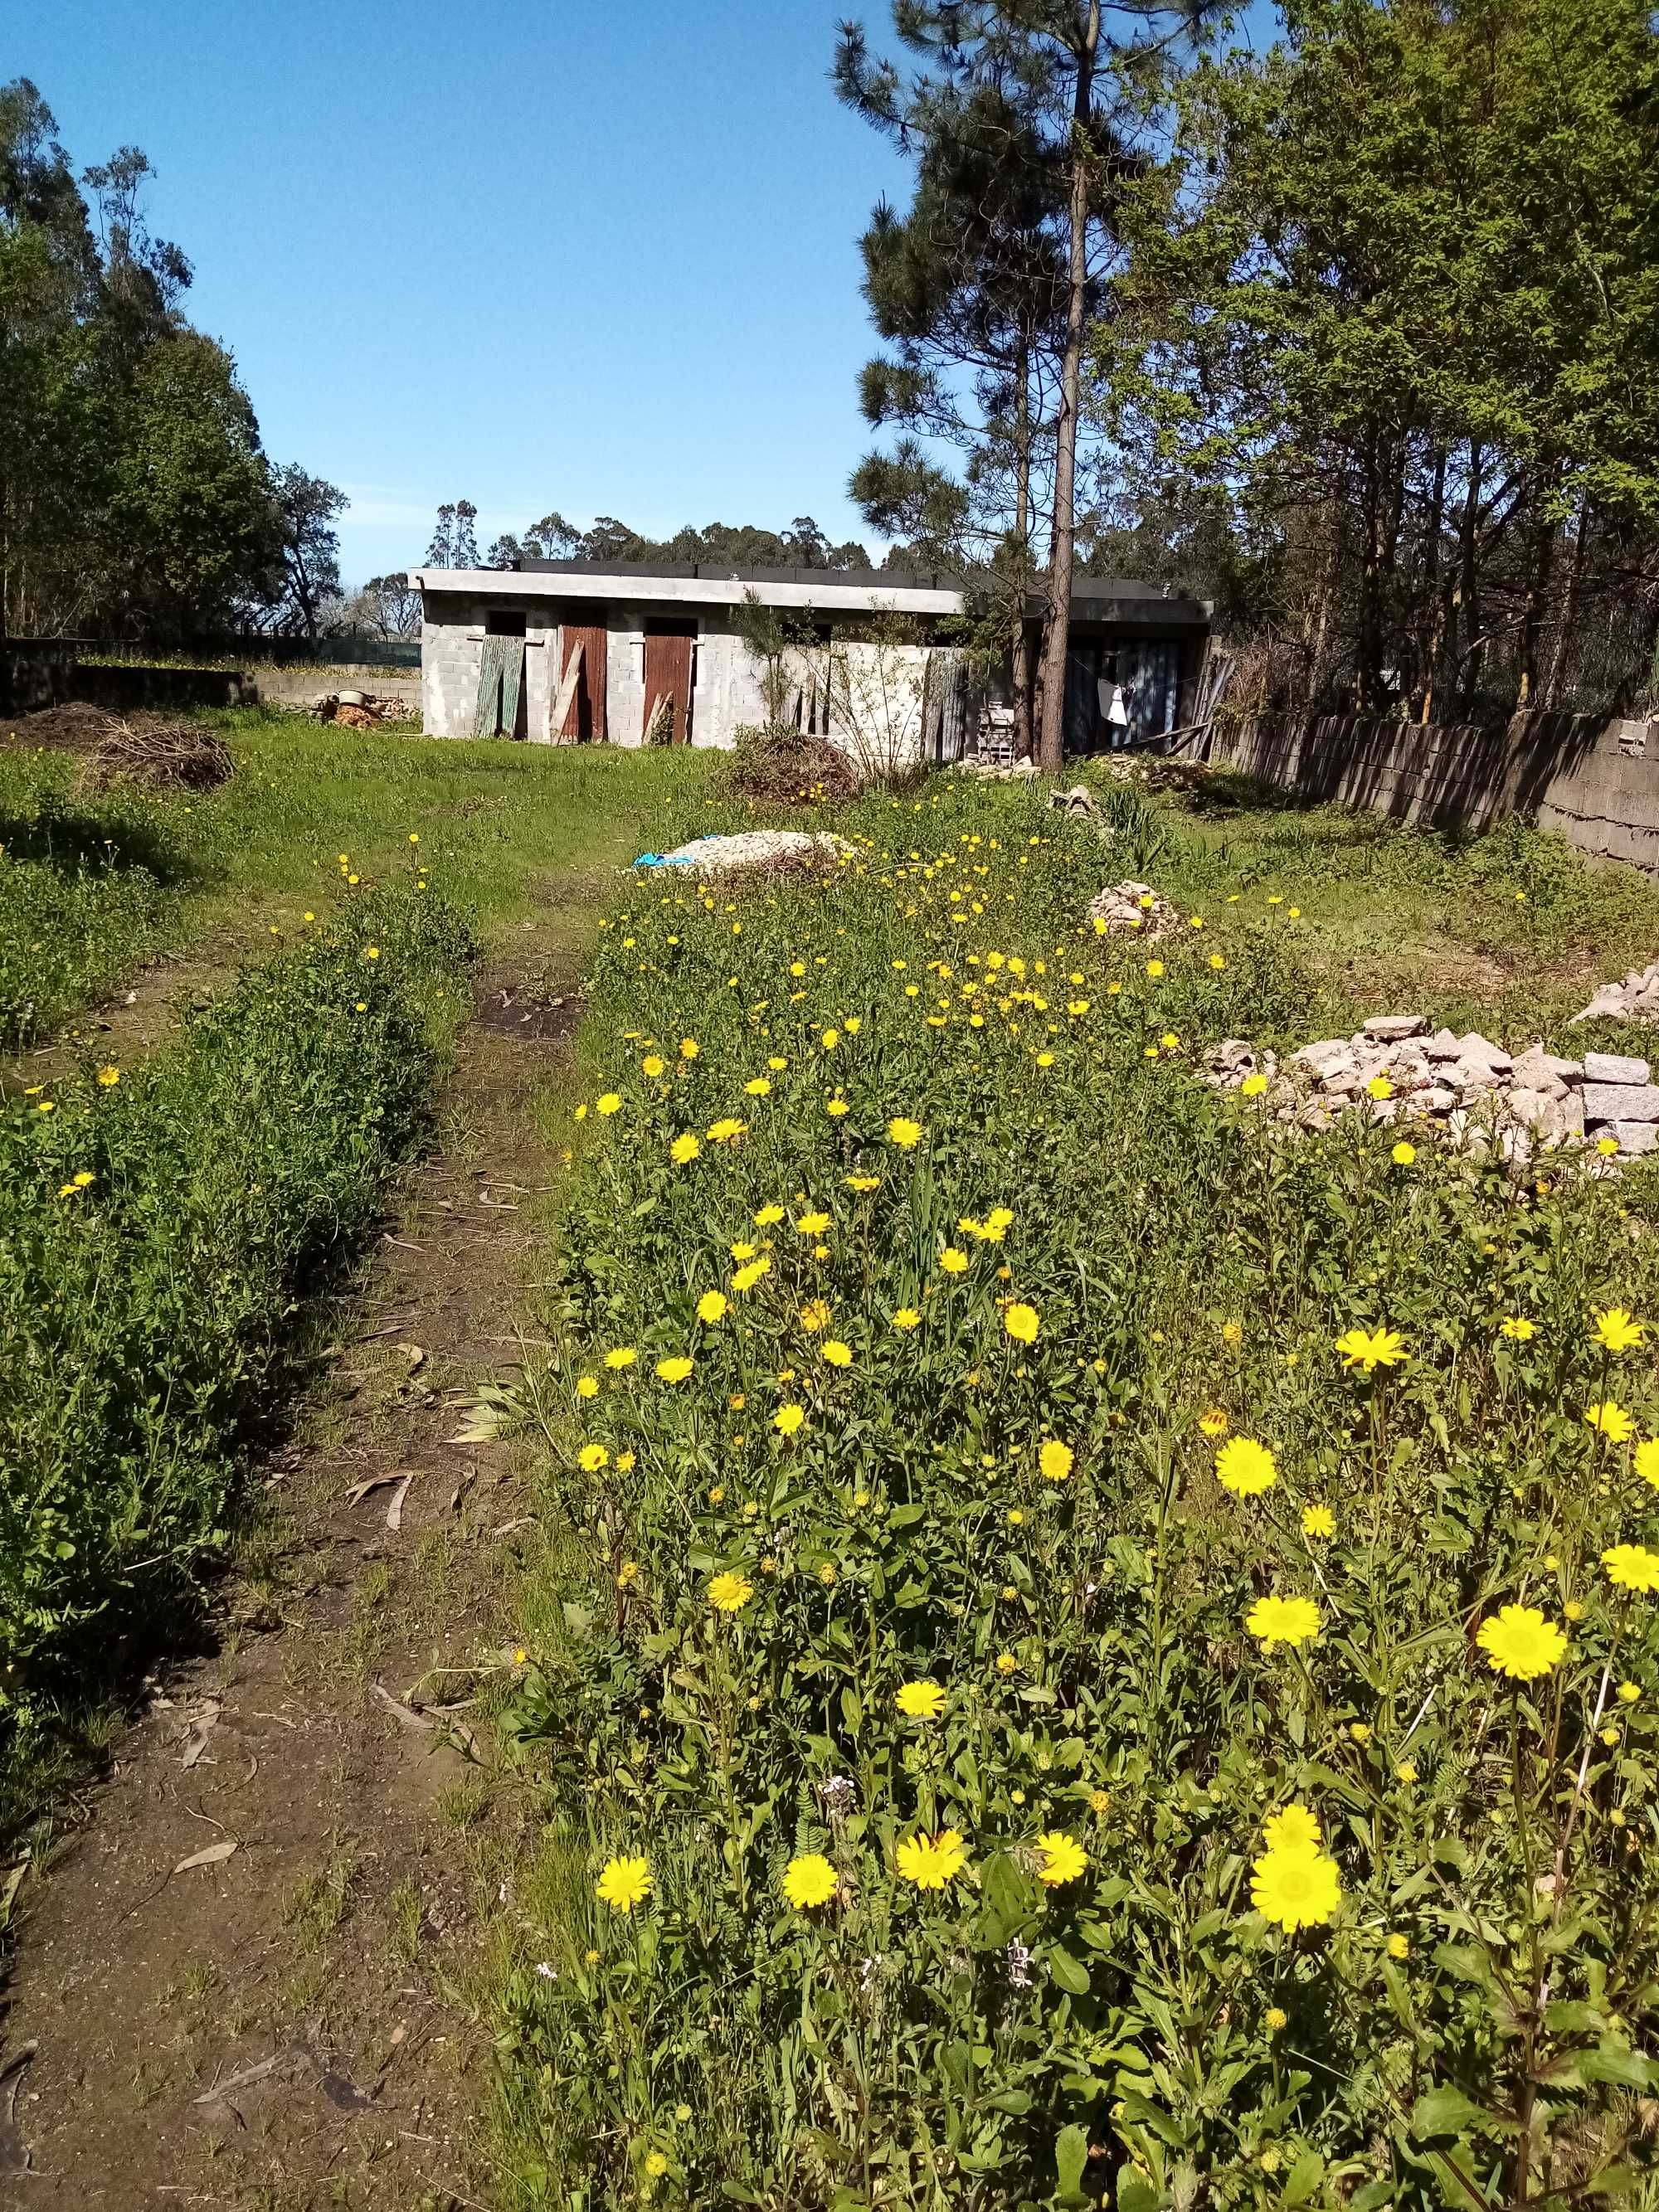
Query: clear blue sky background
[[591, 254], [596, 255]]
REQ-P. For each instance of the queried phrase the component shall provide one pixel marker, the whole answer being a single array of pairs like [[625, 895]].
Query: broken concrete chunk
[[1534, 1108], [1325, 1057], [1387, 1029], [1131, 908], [1476, 1049], [1621, 1101], [1614, 1067], [1608, 1004], [1474, 1075]]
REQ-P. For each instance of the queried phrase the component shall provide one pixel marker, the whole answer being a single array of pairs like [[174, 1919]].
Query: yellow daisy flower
[[730, 1592], [623, 1883]]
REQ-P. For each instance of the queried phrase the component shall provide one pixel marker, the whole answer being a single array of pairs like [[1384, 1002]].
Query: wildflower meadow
[[1091, 1649]]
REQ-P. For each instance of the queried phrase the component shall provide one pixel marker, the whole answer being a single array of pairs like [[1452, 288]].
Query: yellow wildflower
[[623, 1883], [1520, 1643], [730, 1592]]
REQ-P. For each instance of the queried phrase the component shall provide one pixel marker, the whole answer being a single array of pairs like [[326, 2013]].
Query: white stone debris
[[991, 771], [1393, 1071], [755, 849], [1130, 909], [1635, 999], [1079, 800]]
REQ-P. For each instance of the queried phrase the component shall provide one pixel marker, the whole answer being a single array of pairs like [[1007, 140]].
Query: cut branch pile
[[153, 755]]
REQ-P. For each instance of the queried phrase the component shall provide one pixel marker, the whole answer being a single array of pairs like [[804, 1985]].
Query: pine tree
[[1022, 126]]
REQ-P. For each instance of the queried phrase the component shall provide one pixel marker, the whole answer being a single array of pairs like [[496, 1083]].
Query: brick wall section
[[1594, 781]]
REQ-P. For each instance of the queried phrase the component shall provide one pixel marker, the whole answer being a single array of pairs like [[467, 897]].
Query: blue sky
[[536, 253]]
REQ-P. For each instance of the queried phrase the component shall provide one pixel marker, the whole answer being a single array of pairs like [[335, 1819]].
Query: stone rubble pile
[[991, 771], [1393, 1070], [1080, 800], [1635, 999], [1130, 907]]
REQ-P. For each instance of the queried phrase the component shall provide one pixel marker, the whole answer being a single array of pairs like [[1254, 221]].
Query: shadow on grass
[[77, 841]]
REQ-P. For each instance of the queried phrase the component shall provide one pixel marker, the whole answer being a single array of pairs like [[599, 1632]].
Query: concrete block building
[[570, 652]]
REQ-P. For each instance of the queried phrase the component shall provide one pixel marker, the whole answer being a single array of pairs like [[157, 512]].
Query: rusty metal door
[[582, 684], [669, 649]]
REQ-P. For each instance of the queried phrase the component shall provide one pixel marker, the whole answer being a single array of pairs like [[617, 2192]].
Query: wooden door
[[582, 648], [668, 684]]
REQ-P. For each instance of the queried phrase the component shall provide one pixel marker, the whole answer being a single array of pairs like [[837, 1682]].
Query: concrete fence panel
[[1594, 781]]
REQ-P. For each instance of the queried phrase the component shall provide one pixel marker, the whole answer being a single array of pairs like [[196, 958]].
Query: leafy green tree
[[134, 494], [803, 545], [1394, 299], [189, 494], [307, 506]]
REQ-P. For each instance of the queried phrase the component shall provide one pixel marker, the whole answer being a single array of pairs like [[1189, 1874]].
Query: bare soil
[[286, 2025]]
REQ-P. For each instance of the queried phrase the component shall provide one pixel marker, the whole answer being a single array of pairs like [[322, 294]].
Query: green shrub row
[[158, 1227]]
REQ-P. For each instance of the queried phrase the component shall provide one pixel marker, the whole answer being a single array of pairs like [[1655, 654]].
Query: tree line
[[1358, 336], [136, 498], [454, 543]]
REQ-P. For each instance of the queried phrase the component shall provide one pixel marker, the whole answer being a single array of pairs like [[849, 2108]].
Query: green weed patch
[[158, 1228], [87, 888], [1023, 1674]]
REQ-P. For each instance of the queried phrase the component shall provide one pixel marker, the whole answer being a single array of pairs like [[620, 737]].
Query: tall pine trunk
[[1551, 695], [1368, 672], [1432, 592], [1056, 621], [1466, 610], [1541, 561], [1022, 669]]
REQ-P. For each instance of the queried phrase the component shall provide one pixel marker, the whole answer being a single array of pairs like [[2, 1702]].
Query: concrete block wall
[[301, 683], [1595, 783], [727, 686]]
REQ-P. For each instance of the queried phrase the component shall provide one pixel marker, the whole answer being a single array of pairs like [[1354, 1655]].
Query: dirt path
[[285, 2024]]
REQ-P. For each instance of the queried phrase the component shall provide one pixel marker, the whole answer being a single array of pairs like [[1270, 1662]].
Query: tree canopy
[[743, 545], [135, 496], [1390, 314]]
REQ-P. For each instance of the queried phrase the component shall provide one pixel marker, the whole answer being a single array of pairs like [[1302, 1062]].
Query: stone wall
[[303, 682], [1595, 783]]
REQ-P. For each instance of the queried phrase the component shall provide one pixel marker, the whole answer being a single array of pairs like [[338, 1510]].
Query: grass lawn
[[92, 888], [166, 1213], [1509, 932]]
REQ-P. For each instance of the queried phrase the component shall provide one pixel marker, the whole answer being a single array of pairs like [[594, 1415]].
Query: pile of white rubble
[[1131, 908], [1635, 999], [753, 849], [1394, 1071]]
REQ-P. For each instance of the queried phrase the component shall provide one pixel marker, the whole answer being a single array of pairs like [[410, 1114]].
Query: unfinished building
[[573, 653]]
